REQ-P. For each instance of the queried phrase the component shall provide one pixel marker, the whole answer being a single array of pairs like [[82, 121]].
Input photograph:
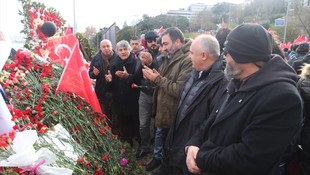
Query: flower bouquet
[[61, 124]]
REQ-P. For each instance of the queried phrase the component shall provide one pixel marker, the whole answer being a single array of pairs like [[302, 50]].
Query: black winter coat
[[250, 132], [203, 93], [101, 84], [125, 97], [297, 65]]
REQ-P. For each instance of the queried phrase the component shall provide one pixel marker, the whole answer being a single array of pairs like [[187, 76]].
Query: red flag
[[68, 31], [194, 37], [60, 49], [223, 24], [75, 78], [254, 21], [289, 44], [270, 31], [297, 41], [303, 39], [161, 29]]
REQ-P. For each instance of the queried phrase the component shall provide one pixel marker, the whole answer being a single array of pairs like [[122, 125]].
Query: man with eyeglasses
[[257, 117], [151, 44], [169, 79], [146, 93]]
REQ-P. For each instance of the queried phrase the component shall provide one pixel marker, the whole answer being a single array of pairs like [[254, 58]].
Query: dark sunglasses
[[151, 40]]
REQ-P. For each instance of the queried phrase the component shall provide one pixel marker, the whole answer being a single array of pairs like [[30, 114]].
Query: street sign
[[279, 22]]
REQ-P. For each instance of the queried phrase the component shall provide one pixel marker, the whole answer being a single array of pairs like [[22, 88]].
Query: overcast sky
[[97, 13]]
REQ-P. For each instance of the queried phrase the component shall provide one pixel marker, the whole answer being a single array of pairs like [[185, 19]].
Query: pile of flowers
[[30, 84], [36, 105]]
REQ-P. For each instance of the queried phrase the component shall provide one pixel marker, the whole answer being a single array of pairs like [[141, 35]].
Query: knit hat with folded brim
[[249, 43]]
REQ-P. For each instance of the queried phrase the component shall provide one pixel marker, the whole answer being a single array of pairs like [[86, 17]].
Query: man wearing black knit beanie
[[254, 122]]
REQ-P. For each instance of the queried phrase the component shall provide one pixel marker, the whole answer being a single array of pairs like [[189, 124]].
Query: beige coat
[[173, 74]]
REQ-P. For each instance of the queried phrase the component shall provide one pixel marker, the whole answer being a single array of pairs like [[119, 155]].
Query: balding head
[[209, 44], [106, 47], [204, 50]]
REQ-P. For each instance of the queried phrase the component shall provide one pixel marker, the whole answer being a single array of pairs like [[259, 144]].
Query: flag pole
[[286, 18], [74, 27]]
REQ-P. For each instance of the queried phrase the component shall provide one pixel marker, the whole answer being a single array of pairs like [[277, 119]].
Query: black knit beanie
[[249, 43]]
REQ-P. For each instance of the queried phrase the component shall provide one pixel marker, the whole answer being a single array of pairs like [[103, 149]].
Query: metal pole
[[229, 16], [74, 25], [286, 19]]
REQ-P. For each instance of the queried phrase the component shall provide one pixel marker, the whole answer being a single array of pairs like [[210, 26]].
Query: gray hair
[[210, 45], [123, 43]]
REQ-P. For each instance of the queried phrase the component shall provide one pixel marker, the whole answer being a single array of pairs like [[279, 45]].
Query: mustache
[[153, 45]]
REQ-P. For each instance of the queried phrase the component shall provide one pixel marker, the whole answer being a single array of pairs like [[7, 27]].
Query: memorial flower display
[[55, 131]]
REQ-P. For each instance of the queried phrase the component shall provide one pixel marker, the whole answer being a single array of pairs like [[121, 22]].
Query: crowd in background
[[235, 103]]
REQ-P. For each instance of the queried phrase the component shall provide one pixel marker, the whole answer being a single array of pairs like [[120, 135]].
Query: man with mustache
[[169, 79], [256, 119]]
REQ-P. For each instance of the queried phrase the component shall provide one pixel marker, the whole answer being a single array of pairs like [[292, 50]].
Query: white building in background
[[198, 7], [191, 11]]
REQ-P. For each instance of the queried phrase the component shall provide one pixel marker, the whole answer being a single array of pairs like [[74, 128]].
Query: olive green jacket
[[169, 83]]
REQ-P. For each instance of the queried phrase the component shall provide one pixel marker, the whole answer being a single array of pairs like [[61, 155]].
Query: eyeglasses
[[151, 40], [225, 52]]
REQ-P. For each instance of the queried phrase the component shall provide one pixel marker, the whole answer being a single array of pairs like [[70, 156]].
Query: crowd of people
[[235, 103]]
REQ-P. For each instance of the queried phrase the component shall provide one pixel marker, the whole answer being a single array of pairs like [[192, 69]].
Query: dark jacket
[[198, 98], [125, 97], [299, 63], [296, 57], [173, 75], [101, 84], [304, 88], [251, 130], [148, 86]]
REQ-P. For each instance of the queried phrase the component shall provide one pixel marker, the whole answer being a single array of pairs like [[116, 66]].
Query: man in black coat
[[255, 121], [297, 65], [98, 68], [198, 97], [120, 77]]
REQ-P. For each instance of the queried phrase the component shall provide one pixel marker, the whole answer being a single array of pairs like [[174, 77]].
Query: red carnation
[[81, 159]]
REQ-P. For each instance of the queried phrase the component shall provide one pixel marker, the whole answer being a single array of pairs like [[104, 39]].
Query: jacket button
[[240, 101], [217, 111]]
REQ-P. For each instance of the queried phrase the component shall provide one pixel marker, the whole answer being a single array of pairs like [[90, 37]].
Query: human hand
[[150, 74], [146, 58], [95, 71], [191, 160], [108, 77], [122, 74]]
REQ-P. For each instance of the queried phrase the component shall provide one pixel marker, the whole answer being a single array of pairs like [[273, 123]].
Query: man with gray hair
[[198, 97], [257, 117]]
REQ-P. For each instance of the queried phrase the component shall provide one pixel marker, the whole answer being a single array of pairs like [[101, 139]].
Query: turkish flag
[[75, 78], [60, 49], [68, 31], [160, 30], [223, 24]]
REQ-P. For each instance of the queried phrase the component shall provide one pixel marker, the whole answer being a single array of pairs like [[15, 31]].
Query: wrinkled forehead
[[135, 41], [105, 43]]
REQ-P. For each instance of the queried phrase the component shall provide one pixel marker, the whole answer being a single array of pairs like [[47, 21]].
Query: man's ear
[[205, 55], [178, 42]]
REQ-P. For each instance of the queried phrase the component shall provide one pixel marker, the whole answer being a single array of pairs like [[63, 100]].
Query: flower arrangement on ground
[[66, 125]]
